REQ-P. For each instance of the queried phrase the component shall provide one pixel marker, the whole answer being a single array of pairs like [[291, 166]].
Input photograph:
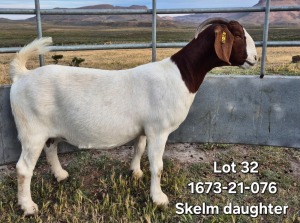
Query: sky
[[161, 4]]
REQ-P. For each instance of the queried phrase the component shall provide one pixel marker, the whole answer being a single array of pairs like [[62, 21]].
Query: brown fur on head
[[239, 51], [230, 43], [229, 38], [220, 43]]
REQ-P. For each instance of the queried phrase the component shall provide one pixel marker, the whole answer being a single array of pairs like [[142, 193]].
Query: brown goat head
[[217, 42]]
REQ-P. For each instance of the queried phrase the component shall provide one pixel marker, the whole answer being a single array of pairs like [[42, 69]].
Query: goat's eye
[[240, 37]]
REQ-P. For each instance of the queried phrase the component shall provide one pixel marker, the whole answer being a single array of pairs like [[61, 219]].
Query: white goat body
[[93, 108]]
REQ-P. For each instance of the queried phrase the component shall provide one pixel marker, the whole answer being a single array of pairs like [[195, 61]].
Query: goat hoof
[[30, 209], [137, 174], [62, 176], [160, 199]]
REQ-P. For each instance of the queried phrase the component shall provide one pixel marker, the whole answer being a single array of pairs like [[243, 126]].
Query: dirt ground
[[184, 153]]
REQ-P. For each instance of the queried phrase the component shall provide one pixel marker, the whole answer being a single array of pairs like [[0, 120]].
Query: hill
[[291, 18], [254, 18], [109, 20]]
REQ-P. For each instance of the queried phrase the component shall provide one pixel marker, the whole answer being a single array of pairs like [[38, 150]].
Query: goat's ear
[[223, 43]]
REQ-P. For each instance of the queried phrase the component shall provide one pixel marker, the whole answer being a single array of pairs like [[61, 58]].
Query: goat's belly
[[101, 138], [99, 145]]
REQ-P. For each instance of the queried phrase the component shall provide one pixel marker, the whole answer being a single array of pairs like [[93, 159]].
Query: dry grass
[[104, 59], [278, 60]]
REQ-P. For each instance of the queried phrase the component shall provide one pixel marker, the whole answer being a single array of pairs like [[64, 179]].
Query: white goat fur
[[93, 108]]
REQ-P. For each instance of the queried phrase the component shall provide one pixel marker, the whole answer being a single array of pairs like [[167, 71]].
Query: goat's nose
[[255, 58]]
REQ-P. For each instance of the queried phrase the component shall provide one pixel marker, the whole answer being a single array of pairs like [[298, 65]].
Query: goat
[[93, 108]]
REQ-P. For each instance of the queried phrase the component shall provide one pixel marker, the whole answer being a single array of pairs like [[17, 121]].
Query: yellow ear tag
[[223, 39]]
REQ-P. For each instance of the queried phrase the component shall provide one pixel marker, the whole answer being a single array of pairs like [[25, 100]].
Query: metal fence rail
[[138, 46], [154, 11], [145, 11]]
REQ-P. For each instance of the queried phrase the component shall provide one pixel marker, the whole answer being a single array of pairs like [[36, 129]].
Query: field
[[278, 61], [72, 34], [100, 187]]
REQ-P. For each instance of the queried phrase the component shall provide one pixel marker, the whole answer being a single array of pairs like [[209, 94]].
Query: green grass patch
[[101, 189], [73, 34]]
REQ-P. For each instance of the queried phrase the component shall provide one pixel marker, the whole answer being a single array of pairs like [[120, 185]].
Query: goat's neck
[[195, 60]]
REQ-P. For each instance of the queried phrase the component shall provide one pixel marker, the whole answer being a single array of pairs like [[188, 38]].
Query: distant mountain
[[109, 20], [291, 18], [5, 20], [252, 18]]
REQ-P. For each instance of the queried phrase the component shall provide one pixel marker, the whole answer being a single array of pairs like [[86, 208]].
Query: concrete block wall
[[227, 109]]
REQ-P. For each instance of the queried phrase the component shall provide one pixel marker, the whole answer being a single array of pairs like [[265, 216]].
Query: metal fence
[[154, 11]]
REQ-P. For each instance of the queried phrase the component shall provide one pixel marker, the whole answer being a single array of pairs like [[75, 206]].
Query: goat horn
[[209, 22]]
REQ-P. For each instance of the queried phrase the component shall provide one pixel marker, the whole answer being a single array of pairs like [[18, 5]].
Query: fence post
[[265, 39], [153, 30], [39, 27]]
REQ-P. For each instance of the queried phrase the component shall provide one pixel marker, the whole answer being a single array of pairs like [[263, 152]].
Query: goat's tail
[[18, 65]]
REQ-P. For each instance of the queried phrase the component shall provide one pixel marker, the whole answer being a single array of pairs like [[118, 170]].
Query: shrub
[[56, 58], [76, 62]]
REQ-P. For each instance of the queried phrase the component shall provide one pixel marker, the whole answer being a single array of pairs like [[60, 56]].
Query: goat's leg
[[139, 149], [25, 166], [156, 146], [50, 149]]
